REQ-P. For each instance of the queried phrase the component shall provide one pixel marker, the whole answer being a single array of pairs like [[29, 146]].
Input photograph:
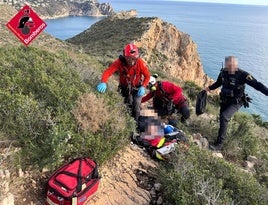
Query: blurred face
[[152, 130], [231, 63], [131, 61]]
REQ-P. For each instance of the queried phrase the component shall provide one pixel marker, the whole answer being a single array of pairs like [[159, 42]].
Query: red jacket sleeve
[[147, 97], [145, 73], [111, 70], [174, 91]]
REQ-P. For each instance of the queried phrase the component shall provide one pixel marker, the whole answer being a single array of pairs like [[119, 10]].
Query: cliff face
[[58, 8], [162, 45], [172, 51]]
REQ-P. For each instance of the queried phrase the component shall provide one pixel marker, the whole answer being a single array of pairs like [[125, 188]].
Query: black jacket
[[201, 103], [236, 83]]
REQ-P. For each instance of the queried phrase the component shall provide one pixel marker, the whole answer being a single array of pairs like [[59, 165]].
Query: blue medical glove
[[141, 91], [101, 88]]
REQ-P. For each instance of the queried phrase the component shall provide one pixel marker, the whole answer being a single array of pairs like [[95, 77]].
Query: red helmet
[[131, 50]]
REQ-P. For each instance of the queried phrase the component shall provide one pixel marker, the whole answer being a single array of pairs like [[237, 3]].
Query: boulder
[[252, 159], [198, 143], [20, 173], [217, 154], [250, 166], [205, 143], [157, 187], [197, 136]]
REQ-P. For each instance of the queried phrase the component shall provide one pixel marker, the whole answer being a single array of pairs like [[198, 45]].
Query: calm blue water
[[67, 27], [218, 29]]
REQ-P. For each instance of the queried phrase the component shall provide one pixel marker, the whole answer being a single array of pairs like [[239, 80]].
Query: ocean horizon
[[218, 29]]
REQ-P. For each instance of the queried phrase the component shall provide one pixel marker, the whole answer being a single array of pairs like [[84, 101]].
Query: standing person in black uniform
[[233, 80]]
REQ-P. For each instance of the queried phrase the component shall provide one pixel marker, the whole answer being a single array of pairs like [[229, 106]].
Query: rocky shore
[[51, 9]]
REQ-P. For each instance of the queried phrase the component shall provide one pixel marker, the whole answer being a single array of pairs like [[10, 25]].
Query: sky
[[253, 2], [250, 2]]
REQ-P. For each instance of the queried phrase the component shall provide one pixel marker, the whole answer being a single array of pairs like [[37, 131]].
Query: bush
[[240, 141], [39, 92], [105, 125], [259, 121], [191, 89], [195, 177], [90, 113], [106, 45]]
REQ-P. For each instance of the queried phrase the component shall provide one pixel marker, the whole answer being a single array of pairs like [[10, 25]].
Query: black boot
[[216, 146]]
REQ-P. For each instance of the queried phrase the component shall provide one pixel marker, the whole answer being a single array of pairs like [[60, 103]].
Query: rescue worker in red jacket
[[134, 77], [167, 97]]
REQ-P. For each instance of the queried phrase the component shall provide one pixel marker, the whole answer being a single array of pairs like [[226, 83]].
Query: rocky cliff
[[172, 51], [162, 45], [59, 8]]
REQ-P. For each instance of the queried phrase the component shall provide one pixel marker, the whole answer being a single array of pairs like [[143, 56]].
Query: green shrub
[[105, 45], [241, 142], [259, 121], [191, 89], [195, 177], [39, 91]]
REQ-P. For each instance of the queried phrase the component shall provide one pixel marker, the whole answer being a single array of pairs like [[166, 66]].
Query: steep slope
[[120, 179], [50, 114], [55, 9], [46, 89], [163, 46], [126, 179]]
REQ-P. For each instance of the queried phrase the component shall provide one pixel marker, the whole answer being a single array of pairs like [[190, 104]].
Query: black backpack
[[201, 103]]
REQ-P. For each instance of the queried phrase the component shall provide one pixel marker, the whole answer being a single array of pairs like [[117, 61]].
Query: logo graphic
[[26, 25]]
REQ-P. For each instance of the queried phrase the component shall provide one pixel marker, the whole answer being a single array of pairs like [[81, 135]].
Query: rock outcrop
[[162, 45], [172, 51], [58, 8], [125, 14]]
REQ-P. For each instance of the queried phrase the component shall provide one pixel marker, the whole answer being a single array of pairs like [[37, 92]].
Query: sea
[[218, 29]]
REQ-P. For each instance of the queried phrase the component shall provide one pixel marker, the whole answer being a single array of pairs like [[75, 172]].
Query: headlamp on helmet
[[152, 82]]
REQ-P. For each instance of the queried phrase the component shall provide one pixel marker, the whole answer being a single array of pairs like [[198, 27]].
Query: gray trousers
[[226, 113]]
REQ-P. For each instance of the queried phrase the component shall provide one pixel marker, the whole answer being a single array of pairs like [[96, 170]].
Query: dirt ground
[[121, 179], [125, 180]]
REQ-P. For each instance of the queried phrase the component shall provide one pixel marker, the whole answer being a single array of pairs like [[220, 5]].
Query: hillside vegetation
[[196, 177], [193, 177], [50, 113], [165, 49], [106, 44], [45, 106]]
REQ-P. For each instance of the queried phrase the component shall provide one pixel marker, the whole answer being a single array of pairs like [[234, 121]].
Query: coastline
[[68, 15], [51, 9]]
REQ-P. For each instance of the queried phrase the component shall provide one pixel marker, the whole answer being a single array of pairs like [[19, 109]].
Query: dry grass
[[91, 112]]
